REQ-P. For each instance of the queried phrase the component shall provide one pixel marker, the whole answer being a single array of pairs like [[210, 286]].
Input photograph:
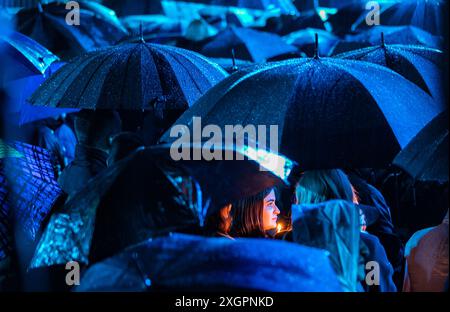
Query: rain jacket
[[333, 226], [427, 263], [383, 227], [377, 254]]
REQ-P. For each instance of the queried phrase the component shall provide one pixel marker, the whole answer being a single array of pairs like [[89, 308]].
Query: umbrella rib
[[126, 71]]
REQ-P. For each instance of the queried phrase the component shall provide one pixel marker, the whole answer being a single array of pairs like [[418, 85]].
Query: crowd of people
[[117, 197]]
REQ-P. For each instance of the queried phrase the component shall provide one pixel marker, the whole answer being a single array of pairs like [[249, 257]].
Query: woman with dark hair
[[255, 215]]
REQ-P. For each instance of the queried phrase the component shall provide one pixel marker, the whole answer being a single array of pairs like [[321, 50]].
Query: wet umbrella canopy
[[25, 56], [425, 158], [330, 112], [131, 76], [419, 65], [408, 35], [24, 167], [47, 25], [179, 262], [91, 225], [428, 15], [305, 41], [248, 44], [20, 90]]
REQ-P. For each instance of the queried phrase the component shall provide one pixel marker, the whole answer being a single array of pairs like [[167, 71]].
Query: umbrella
[[19, 110], [28, 191], [248, 45], [181, 262], [131, 76], [152, 24], [243, 178], [330, 113], [91, 225], [47, 25], [425, 158], [24, 56], [342, 21], [231, 65], [285, 24], [419, 65], [280, 6], [408, 35], [332, 226], [275, 6], [134, 7], [428, 15], [304, 40]]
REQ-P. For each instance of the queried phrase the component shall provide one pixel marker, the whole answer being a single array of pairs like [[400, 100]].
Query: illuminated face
[[270, 212]]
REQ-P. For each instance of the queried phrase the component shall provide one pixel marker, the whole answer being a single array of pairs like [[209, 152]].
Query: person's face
[[270, 212]]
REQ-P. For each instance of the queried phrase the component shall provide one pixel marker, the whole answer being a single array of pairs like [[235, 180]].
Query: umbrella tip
[[382, 39], [316, 46], [233, 59], [141, 33]]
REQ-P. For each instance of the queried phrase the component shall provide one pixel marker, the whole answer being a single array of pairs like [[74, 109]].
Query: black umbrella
[[248, 44], [285, 24], [28, 191], [420, 65], [342, 21], [94, 224], [330, 112], [304, 40], [425, 158], [23, 57], [231, 65], [426, 14], [188, 262], [47, 25], [225, 181], [131, 76], [408, 35], [134, 7]]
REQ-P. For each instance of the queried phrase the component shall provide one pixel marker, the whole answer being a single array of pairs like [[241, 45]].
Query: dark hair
[[247, 215], [95, 128], [322, 185]]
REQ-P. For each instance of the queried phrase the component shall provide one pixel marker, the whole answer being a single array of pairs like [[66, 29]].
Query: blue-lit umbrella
[[420, 65], [425, 158], [189, 262], [23, 57], [131, 76], [134, 7], [304, 40], [91, 225], [28, 191], [152, 24], [19, 110], [428, 15], [231, 65], [329, 112], [248, 45], [280, 6], [409, 35], [47, 25], [285, 24], [275, 6]]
